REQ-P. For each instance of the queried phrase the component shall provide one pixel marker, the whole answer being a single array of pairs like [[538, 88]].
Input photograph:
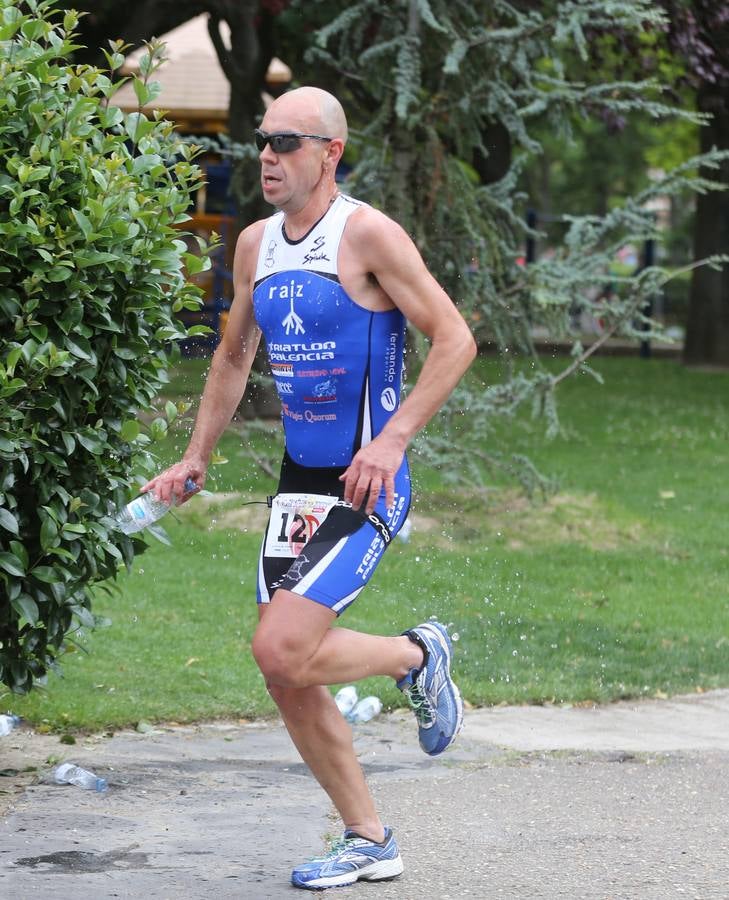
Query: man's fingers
[[389, 493], [362, 486], [172, 484], [374, 493], [349, 481], [361, 491], [355, 485]]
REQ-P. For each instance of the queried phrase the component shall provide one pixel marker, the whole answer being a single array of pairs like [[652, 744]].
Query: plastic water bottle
[[145, 510], [7, 723], [69, 773], [346, 699], [365, 710]]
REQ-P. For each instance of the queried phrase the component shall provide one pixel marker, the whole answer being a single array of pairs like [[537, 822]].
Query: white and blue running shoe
[[350, 859], [431, 691]]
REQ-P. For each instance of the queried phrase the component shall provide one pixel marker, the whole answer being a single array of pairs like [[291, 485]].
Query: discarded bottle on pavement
[[345, 699], [69, 773], [144, 510], [7, 723], [365, 710]]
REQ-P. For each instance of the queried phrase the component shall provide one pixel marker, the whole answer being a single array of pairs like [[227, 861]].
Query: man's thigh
[[333, 567], [297, 624]]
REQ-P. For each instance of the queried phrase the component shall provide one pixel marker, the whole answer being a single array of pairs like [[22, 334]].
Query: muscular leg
[[296, 646], [295, 634], [324, 740]]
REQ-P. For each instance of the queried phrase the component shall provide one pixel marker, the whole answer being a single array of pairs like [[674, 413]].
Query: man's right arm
[[227, 379]]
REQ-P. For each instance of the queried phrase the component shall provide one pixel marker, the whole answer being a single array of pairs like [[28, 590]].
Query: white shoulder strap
[[315, 252]]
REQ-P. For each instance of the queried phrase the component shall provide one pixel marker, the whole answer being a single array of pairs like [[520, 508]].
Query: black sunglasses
[[284, 141]]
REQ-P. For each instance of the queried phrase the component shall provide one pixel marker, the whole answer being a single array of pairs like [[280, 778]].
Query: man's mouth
[[269, 181]]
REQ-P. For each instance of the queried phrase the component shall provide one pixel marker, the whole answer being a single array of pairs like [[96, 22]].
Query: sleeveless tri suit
[[337, 368]]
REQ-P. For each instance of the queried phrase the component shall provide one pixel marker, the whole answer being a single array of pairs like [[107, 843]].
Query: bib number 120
[[294, 520]]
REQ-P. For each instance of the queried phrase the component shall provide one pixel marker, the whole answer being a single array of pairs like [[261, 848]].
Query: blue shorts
[[316, 544]]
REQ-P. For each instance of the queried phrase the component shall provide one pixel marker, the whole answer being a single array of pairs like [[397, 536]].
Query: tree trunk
[[707, 327], [134, 22]]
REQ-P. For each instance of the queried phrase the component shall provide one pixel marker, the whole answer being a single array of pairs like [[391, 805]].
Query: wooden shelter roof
[[195, 91]]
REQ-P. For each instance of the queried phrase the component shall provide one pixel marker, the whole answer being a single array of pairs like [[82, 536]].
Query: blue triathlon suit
[[338, 371]]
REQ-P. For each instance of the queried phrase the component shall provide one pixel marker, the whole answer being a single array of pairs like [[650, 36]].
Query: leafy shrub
[[91, 276]]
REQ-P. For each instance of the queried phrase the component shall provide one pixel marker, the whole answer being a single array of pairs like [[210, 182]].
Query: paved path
[[622, 802]]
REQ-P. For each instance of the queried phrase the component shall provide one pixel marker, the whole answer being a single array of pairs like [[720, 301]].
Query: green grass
[[614, 587]]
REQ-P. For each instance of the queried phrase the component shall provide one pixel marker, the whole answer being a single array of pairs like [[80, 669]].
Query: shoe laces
[[420, 704], [336, 847]]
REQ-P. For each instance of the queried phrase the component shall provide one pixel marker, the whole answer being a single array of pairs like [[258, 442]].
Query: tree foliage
[[699, 32], [434, 81], [91, 275], [690, 51]]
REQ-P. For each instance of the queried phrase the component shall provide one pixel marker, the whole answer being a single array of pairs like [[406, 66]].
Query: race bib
[[294, 520]]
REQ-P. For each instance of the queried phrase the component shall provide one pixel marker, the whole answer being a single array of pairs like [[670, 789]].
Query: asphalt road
[[629, 800]]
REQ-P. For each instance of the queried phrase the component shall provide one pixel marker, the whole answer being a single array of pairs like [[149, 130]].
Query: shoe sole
[[380, 870], [441, 635]]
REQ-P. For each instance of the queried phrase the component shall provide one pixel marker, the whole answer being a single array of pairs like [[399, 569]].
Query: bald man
[[331, 282]]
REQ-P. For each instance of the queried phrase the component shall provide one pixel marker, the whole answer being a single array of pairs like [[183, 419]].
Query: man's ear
[[335, 151]]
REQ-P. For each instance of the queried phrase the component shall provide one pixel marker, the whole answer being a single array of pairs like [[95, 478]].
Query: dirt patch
[[226, 510], [27, 757], [244, 518], [563, 518], [520, 522], [508, 515]]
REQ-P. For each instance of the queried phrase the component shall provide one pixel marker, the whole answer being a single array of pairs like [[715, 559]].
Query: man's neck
[[297, 223]]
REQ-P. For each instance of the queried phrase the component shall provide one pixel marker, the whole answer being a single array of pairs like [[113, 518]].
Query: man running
[[330, 282]]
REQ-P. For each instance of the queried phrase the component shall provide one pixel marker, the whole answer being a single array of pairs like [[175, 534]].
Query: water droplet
[[455, 636]]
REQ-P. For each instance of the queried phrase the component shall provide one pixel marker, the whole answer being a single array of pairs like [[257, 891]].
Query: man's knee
[[280, 657], [288, 636]]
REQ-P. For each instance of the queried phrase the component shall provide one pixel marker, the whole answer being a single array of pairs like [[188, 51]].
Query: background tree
[[429, 82], [245, 62], [451, 101], [699, 31], [688, 53], [608, 157]]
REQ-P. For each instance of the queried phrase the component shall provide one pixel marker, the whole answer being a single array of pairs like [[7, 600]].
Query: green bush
[[91, 276]]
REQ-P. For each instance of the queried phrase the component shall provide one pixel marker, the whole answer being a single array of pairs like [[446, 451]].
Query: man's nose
[[267, 154]]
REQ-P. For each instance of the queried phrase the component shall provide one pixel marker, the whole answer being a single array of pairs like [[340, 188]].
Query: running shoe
[[350, 859], [431, 692]]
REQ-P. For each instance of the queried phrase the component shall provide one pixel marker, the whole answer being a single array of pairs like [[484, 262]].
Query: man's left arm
[[392, 257]]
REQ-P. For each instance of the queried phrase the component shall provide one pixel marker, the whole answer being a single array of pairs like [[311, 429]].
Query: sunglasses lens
[[284, 143], [280, 143]]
